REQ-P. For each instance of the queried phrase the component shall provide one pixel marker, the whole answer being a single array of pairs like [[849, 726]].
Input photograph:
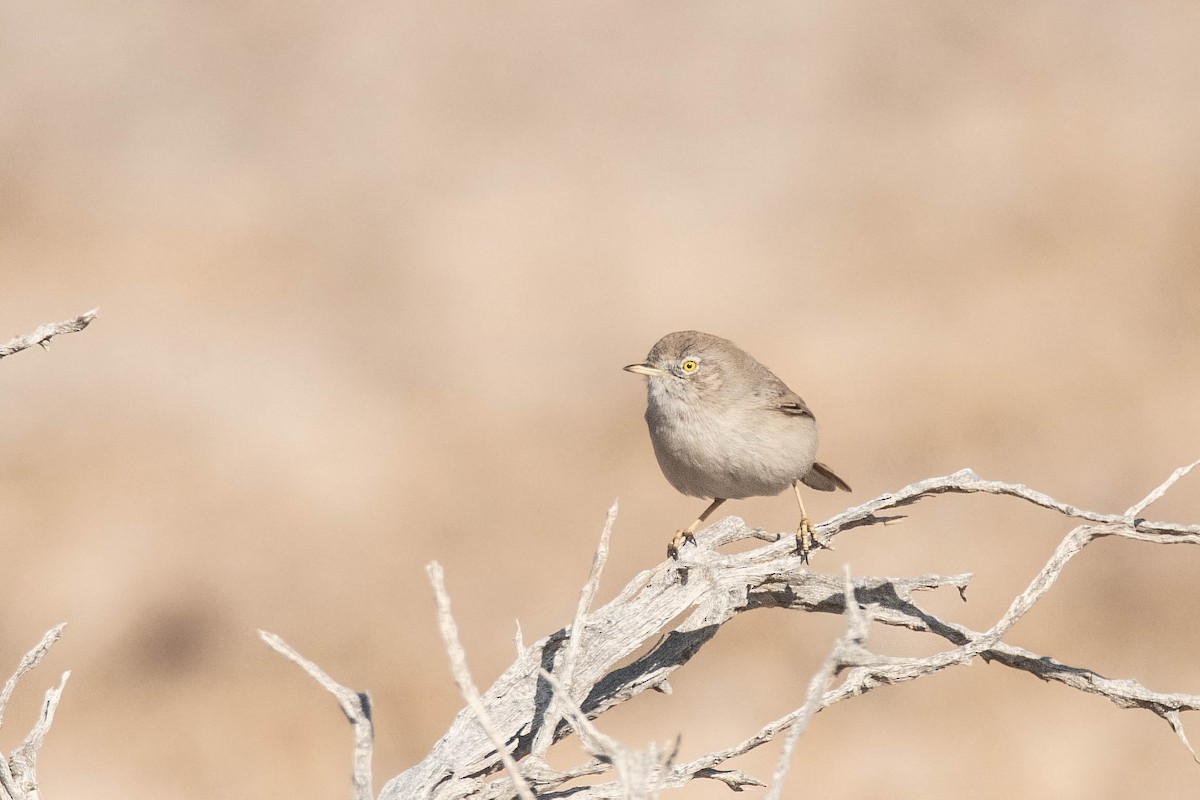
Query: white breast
[[731, 453]]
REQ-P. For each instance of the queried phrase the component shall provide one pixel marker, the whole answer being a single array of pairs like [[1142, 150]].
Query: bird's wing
[[771, 392], [792, 404]]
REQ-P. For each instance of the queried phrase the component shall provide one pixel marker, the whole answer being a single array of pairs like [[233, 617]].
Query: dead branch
[[46, 332], [355, 705], [586, 596], [466, 685], [847, 648], [712, 587], [18, 771]]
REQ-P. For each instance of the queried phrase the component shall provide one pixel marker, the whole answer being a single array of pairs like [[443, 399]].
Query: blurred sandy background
[[368, 273]]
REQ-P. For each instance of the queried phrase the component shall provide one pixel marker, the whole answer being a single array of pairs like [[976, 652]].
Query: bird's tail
[[823, 479]]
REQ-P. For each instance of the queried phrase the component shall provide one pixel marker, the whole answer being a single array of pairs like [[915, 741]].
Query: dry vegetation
[[659, 622]]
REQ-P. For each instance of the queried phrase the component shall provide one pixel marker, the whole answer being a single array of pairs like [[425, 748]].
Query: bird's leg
[[805, 542], [685, 535]]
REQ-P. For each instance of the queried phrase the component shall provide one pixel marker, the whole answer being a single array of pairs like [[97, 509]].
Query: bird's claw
[[806, 542], [681, 538]]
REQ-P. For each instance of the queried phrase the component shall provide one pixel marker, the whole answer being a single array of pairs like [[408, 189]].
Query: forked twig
[[18, 771], [355, 705]]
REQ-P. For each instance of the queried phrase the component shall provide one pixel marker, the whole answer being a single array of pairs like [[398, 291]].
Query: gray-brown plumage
[[724, 426]]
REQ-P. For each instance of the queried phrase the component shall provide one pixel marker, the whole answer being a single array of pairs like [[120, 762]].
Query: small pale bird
[[723, 426]]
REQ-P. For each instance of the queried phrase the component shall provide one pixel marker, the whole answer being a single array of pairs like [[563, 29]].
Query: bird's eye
[[689, 365]]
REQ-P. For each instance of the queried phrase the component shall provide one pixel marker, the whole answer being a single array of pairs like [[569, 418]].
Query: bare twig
[[30, 660], [23, 761], [641, 774], [18, 771], [966, 481], [850, 643], [598, 744], [466, 686], [356, 706], [46, 332], [1140, 506], [545, 734]]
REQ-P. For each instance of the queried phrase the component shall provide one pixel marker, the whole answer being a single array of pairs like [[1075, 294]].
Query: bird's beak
[[644, 369]]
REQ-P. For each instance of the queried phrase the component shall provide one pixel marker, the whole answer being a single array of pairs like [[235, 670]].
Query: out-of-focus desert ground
[[368, 273]]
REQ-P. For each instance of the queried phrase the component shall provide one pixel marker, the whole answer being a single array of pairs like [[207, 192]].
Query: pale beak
[[644, 369]]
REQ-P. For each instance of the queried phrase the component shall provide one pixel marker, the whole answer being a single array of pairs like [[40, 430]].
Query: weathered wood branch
[[46, 332], [711, 587], [355, 705], [18, 770], [466, 685]]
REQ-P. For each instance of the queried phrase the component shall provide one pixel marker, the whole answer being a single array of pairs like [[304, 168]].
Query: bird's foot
[[681, 537], [806, 542]]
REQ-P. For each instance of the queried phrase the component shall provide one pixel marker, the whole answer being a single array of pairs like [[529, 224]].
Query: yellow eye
[[689, 365]]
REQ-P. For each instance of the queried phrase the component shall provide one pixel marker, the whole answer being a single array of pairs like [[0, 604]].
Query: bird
[[724, 427]]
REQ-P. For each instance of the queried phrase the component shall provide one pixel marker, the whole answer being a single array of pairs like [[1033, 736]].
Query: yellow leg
[[805, 543], [685, 535]]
